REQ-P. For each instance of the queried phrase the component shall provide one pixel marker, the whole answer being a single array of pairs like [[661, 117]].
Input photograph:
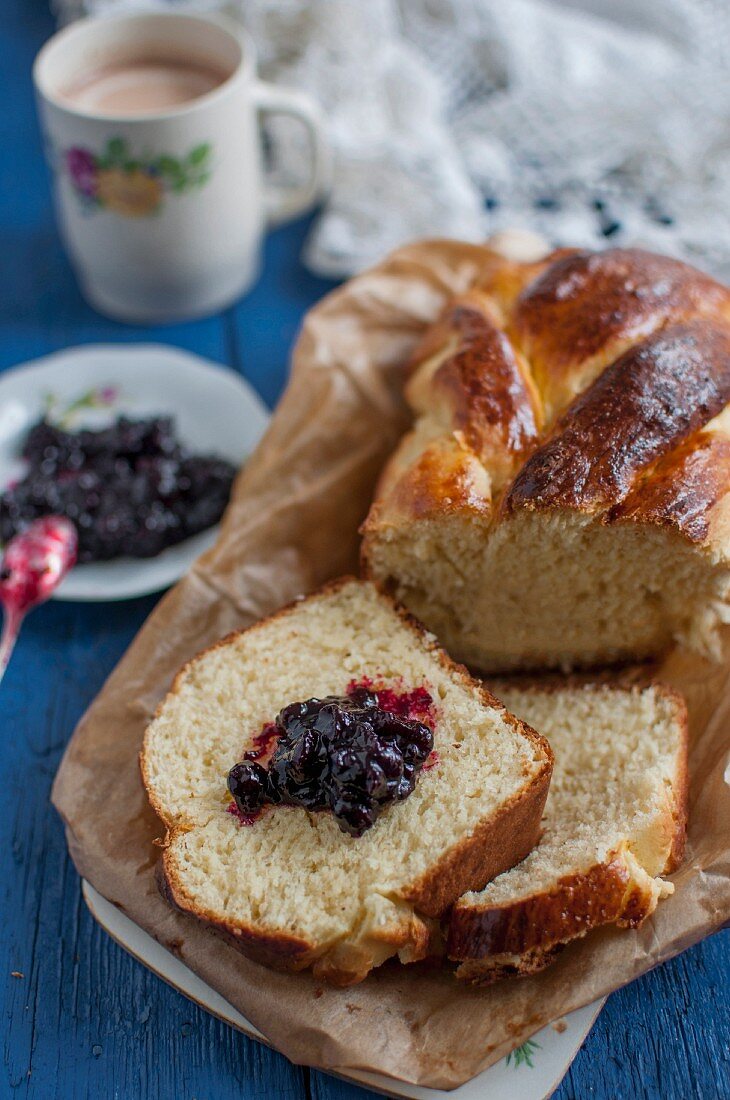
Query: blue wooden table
[[81, 1018]]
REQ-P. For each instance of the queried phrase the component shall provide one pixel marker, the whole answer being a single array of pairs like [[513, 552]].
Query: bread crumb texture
[[614, 822]]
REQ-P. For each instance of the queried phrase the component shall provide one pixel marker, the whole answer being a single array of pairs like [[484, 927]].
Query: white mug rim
[[242, 72]]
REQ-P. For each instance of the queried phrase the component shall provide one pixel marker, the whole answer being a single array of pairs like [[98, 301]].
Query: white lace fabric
[[588, 121]]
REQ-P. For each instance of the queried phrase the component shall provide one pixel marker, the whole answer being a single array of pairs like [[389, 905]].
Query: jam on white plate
[[214, 410]]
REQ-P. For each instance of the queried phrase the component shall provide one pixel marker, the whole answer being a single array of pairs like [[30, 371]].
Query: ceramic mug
[[163, 214]]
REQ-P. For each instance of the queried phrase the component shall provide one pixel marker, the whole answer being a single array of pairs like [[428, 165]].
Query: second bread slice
[[614, 822], [293, 890]]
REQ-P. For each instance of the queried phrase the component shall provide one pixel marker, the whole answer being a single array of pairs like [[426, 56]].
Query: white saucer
[[215, 412]]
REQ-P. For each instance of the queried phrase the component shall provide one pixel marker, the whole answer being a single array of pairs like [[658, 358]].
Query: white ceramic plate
[[534, 1074], [215, 412]]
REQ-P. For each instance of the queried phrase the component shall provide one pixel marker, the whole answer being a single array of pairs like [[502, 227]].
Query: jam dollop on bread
[[351, 754], [130, 488]]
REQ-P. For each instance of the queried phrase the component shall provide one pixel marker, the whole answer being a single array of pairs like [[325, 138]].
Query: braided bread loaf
[[563, 497]]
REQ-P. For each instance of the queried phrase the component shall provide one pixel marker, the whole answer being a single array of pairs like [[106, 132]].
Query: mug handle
[[281, 206]]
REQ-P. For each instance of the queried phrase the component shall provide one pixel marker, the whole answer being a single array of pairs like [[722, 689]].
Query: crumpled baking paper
[[292, 524]]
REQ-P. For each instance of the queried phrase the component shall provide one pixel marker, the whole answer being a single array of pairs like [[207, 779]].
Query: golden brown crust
[[602, 894], [490, 395], [585, 302], [446, 477], [681, 489], [504, 279], [680, 786], [631, 348], [650, 400]]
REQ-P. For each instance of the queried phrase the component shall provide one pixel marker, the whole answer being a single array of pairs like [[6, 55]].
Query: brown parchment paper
[[291, 525]]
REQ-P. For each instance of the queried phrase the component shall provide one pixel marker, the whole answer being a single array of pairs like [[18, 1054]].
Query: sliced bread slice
[[292, 889], [614, 822]]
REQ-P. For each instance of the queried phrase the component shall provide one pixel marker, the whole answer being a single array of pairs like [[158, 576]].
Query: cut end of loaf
[[293, 890], [557, 590], [614, 823]]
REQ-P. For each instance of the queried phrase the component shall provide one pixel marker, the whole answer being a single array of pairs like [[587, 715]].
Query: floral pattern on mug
[[134, 186]]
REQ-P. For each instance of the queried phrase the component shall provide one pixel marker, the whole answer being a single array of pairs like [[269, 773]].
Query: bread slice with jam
[[287, 884]]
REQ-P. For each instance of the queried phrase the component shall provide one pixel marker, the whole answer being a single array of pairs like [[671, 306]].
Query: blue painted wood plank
[[82, 1018], [263, 327], [85, 1020]]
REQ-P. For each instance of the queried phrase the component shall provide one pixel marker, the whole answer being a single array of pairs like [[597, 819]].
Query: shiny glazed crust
[[496, 845], [523, 938], [654, 397], [590, 382], [490, 943]]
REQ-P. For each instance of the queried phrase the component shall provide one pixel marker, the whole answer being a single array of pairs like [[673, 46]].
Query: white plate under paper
[[551, 1051], [215, 412]]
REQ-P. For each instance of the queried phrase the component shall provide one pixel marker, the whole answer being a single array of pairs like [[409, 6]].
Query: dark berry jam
[[130, 488], [344, 753], [417, 705], [263, 742]]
